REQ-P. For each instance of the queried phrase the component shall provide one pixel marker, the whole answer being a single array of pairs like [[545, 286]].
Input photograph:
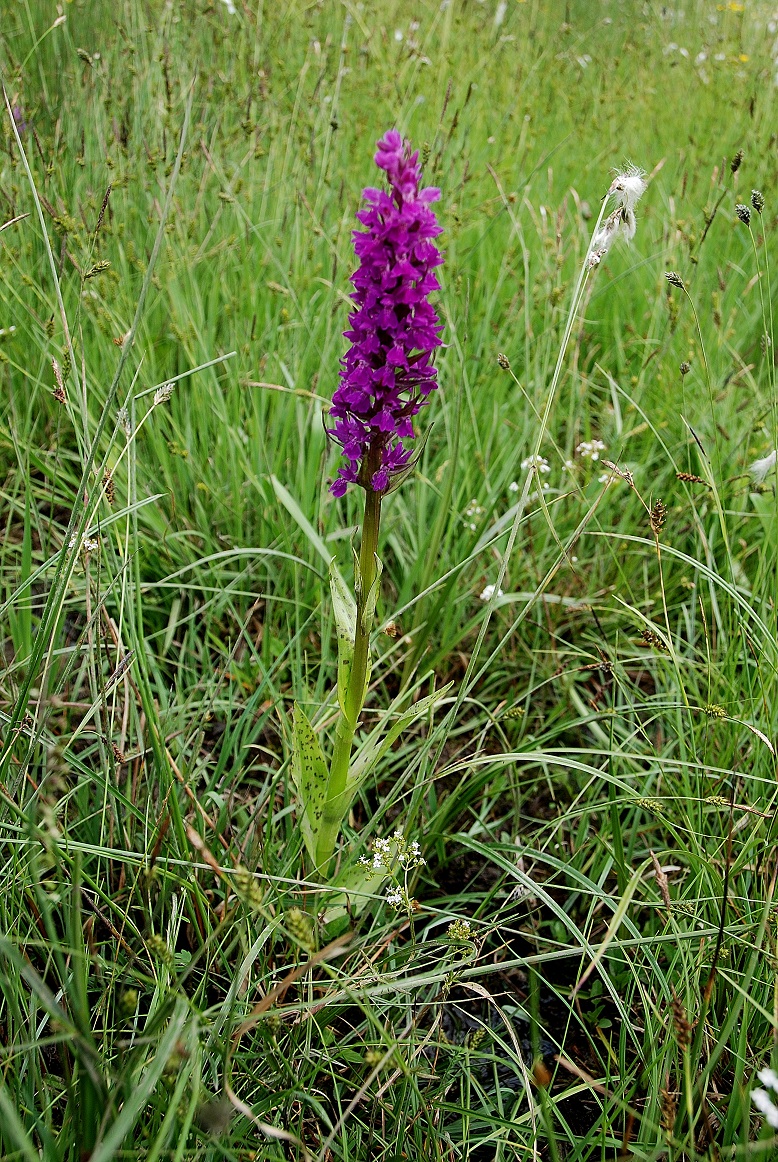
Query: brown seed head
[[108, 487], [681, 1026], [59, 390], [658, 517], [734, 165], [685, 368], [690, 478], [674, 279], [757, 201], [503, 362], [743, 213], [669, 1109], [103, 208]]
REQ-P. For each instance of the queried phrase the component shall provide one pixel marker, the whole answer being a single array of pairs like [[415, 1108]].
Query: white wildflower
[[513, 486], [397, 897], [627, 188], [760, 469], [539, 462], [230, 6], [489, 592], [604, 478], [590, 449], [90, 544]]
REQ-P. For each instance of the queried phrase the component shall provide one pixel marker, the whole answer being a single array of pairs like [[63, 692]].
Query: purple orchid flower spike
[[387, 374]]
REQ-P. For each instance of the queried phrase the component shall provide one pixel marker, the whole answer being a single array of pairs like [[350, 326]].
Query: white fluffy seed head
[[760, 469], [628, 187]]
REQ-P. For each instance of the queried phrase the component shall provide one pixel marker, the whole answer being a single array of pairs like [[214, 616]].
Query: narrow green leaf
[[13, 1131], [345, 609], [294, 510], [378, 743], [141, 1092], [310, 777], [371, 601]]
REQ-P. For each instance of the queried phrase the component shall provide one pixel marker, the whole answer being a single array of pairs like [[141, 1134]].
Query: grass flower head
[[387, 374]]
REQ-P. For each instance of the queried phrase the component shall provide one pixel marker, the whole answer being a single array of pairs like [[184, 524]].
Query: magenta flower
[[387, 373]]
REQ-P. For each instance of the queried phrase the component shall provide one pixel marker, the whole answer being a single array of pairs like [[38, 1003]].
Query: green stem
[[355, 693]]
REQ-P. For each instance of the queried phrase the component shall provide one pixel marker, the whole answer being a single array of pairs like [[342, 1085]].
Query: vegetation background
[[597, 796]]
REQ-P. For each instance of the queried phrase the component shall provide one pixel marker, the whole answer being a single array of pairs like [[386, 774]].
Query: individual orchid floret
[[627, 188], [387, 373]]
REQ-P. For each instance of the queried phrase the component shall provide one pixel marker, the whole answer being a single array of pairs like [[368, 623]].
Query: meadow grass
[[595, 796]]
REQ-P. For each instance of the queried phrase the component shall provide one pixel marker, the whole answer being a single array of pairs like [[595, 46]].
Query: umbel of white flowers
[[627, 188]]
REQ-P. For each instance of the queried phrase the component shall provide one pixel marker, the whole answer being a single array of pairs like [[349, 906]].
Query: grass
[[597, 794]]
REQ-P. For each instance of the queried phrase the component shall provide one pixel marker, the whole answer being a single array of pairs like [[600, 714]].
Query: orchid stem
[[355, 693]]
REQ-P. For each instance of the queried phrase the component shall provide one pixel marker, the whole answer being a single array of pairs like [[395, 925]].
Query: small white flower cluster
[[391, 856], [761, 1098], [88, 545], [395, 851], [538, 462], [513, 486], [489, 591], [397, 897], [627, 188], [473, 511], [605, 478], [590, 449]]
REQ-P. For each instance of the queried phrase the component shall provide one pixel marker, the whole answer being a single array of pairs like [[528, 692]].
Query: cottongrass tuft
[[627, 188], [761, 1098], [760, 469], [489, 591]]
